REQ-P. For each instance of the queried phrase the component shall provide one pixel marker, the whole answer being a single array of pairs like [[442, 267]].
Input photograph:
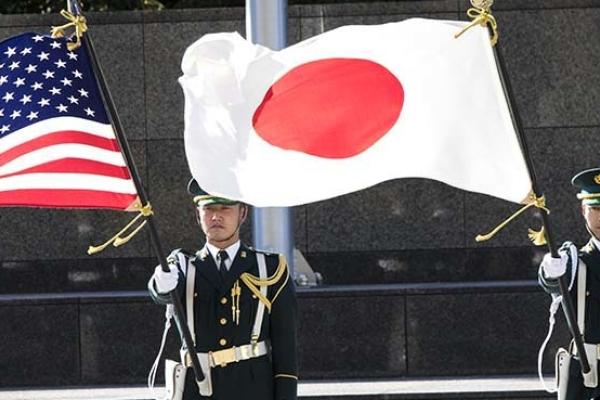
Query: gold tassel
[[78, 22], [481, 15], [538, 202], [117, 240], [537, 237]]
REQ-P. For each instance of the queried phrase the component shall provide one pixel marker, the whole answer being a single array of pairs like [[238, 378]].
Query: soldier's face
[[592, 218], [220, 223]]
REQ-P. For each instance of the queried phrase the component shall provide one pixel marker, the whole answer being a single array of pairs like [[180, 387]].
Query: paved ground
[[520, 384]]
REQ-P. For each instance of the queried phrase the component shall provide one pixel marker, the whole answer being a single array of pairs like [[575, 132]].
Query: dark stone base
[[441, 396], [376, 331]]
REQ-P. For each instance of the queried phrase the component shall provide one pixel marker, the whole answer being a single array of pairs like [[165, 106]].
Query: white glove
[[166, 281], [554, 267]]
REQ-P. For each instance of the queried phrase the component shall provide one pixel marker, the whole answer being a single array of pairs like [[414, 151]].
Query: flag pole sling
[[567, 303], [156, 244]]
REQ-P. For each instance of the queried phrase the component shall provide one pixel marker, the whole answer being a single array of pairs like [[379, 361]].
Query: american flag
[[57, 147]]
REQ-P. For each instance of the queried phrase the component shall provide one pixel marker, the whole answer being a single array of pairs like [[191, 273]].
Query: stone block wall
[[409, 230]]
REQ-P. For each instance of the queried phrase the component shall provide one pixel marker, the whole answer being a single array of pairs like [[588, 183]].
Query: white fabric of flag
[[348, 109]]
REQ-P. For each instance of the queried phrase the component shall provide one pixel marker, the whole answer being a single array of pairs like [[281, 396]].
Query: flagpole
[[567, 303], [156, 244]]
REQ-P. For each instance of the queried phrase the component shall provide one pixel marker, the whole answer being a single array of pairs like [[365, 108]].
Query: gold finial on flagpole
[[481, 14]]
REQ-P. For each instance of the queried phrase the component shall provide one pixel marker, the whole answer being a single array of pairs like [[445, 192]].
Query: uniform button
[[223, 300], [587, 293], [253, 296], [222, 342], [223, 321], [196, 294]]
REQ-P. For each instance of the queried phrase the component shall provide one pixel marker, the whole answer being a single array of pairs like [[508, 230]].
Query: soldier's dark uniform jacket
[[590, 257], [269, 377]]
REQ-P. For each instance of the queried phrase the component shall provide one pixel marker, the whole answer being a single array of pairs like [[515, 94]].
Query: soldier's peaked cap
[[588, 183], [202, 198]]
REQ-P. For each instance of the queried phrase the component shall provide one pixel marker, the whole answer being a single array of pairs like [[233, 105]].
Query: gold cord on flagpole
[[118, 240], [481, 14], [538, 237], [77, 21]]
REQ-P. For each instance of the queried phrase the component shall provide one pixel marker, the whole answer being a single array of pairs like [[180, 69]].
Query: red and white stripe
[[46, 165]]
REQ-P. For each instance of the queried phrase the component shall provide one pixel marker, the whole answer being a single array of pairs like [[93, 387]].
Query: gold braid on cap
[[254, 282], [587, 196], [196, 199]]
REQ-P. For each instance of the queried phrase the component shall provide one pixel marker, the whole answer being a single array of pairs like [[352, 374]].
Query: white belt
[[590, 345], [234, 354]]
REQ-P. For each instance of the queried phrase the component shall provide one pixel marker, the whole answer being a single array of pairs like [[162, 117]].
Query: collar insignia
[[203, 253]]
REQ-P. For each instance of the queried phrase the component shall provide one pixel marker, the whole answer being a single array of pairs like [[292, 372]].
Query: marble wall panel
[[164, 45], [119, 340], [315, 25], [75, 275], [168, 178], [351, 336], [40, 343], [337, 268], [353, 332], [552, 64], [400, 214], [534, 4], [441, 329], [432, 265], [119, 48], [358, 8]]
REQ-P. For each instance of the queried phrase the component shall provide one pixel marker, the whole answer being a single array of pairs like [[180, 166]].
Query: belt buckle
[[223, 357]]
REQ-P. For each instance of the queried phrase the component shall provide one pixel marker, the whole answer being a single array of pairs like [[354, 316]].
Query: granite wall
[[409, 230], [346, 332]]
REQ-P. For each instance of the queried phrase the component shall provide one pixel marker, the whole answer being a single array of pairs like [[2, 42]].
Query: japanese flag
[[348, 109]]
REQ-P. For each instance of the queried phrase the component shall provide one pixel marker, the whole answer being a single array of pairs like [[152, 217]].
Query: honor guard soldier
[[585, 266], [243, 311]]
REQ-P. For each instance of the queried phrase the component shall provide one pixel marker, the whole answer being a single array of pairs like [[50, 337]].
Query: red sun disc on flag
[[331, 108]]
